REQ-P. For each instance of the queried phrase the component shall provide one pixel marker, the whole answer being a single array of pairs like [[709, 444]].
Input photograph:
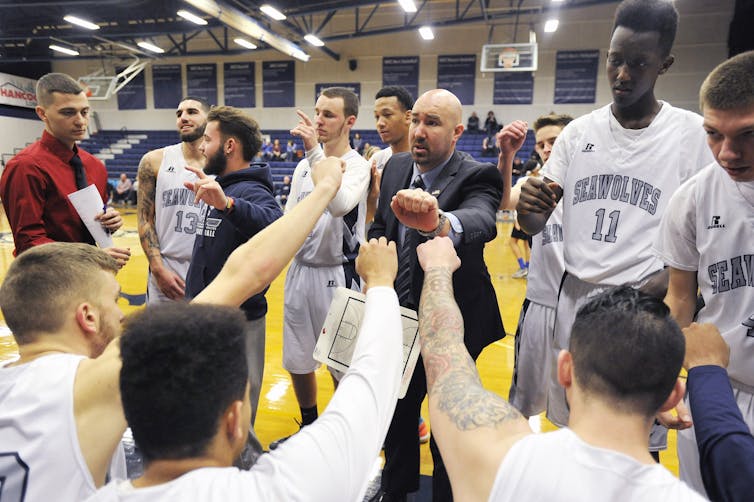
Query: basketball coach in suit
[[436, 190]]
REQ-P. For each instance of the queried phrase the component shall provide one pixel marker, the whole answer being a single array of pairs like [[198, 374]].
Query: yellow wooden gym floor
[[277, 405]]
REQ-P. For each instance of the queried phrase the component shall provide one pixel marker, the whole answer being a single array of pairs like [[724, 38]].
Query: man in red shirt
[[35, 184]]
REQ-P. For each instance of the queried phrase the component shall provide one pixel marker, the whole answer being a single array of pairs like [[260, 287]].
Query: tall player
[[326, 260], [168, 217], [617, 168], [707, 237], [536, 322]]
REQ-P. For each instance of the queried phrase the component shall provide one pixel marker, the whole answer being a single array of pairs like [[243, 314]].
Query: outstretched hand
[[705, 346], [305, 130], [206, 189], [438, 252], [377, 262], [537, 196], [511, 138], [416, 209]]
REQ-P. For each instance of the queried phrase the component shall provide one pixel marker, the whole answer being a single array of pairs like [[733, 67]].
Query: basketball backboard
[[509, 57]]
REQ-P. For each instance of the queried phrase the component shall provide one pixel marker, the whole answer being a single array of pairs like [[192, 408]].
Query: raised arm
[[168, 281], [726, 447], [254, 265], [474, 428], [510, 139], [536, 202]]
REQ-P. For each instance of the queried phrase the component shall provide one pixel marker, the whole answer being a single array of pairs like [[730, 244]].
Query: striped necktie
[[405, 256]]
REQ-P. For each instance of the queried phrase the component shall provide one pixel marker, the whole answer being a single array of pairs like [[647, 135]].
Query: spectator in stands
[[282, 190], [490, 124], [35, 185], [277, 151], [489, 147], [518, 169], [357, 143], [291, 152], [473, 124], [267, 149], [123, 189]]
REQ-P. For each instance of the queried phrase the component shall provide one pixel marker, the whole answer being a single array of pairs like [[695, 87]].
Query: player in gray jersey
[[707, 240], [168, 217], [326, 260]]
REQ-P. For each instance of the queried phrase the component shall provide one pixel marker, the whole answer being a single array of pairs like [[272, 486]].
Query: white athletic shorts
[[573, 294], [180, 267], [308, 294], [531, 369], [688, 452]]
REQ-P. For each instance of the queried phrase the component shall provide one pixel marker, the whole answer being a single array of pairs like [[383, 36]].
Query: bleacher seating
[[121, 151]]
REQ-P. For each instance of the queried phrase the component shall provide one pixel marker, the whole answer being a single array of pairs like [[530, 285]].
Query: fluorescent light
[[551, 25], [188, 16], [244, 43], [150, 47], [272, 12], [81, 22], [557, 1], [300, 55], [64, 50], [314, 40], [426, 33], [408, 5]]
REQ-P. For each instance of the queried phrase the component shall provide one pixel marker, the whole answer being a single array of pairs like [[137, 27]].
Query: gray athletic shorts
[[531, 370], [308, 294]]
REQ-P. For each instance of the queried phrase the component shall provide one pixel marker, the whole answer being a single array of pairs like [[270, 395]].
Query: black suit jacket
[[471, 191]]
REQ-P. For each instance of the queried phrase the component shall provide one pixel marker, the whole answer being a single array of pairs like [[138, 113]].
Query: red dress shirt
[[34, 188]]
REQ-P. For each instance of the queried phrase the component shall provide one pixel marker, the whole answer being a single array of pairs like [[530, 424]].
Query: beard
[[190, 137], [217, 163]]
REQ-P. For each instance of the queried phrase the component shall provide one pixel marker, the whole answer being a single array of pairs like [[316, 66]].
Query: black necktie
[[78, 170], [408, 249]]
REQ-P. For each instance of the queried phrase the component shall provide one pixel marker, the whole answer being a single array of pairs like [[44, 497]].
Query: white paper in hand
[[337, 339], [88, 204]]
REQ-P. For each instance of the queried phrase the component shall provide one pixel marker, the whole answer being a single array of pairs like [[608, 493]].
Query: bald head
[[435, 128]]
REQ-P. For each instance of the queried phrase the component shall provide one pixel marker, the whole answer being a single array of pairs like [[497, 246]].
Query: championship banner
[[18, 91]]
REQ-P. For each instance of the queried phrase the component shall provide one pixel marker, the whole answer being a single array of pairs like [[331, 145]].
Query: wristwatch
[[441, 223]]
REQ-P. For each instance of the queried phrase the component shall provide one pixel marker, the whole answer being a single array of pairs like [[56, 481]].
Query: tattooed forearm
[[452, 378], [145, 210]]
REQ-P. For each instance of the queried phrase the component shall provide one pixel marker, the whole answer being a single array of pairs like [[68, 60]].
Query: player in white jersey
[[328, 461], [67, 355], [603, 455], [707, 237], [168, 217], [536, 322], [326, 260], [616, 169]]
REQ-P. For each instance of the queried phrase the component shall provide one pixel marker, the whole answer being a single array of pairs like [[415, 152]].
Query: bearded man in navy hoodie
[[240, 202]]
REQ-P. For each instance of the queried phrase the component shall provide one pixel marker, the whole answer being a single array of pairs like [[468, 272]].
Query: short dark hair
[[552, 120], [234, 122], [649, 15], [730, 85], [627, 350], [205, 104], [56, 82], [350, 99], [400, 93], [183, 365], [45, 282]]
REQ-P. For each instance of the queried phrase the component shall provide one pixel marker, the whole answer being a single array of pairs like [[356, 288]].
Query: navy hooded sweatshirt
[[255, 208]]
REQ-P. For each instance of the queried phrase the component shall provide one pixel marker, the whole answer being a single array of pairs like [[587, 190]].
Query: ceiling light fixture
[[314, 40], [426, 33], [150, 47], [239, 21], [64, 50], [272, 12], [244, 43], [408, 5], [81, 22], [551, 25], [188, 16]]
